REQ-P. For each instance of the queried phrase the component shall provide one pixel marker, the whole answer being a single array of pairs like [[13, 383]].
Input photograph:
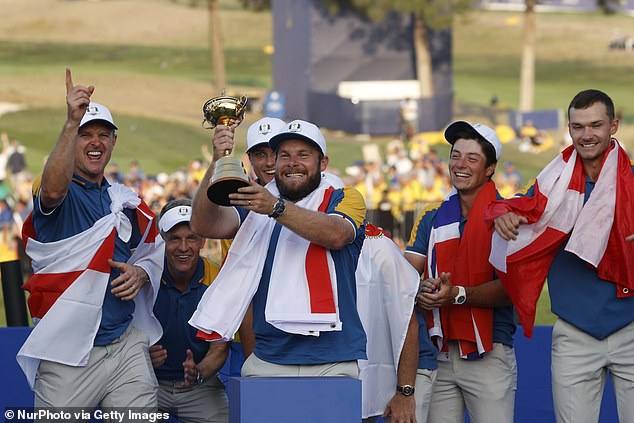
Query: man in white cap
[[261, 156], [186, 367], [97, 259], [466, 308], [296, 246]]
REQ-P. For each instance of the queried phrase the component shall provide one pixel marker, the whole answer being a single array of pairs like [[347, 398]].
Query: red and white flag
[[596, 231], [386, 290], [71, 276], [302, 296]]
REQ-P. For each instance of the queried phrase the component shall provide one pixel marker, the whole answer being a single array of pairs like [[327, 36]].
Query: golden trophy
[[229, 174]]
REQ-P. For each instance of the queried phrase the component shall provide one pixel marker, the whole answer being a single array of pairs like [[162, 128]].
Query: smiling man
[[296, 246], [186, 367], [261, 156], [97, 258], [461, 298], [574, 227]]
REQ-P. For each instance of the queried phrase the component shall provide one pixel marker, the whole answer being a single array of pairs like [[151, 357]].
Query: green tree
[[527, 67], [427, 14]]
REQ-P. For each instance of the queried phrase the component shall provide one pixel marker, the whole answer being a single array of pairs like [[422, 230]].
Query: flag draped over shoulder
[[302, 297], [71, 276], [386, 289], [466, 258], [595, 232]]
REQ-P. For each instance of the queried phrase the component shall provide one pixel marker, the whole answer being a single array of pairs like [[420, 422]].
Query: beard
[[296, 193]]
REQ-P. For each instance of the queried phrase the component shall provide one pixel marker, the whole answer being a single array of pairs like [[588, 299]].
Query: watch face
[[405, 390], [461, 299]]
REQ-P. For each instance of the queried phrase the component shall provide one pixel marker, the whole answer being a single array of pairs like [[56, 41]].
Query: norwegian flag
[[465, 257], [70, 279], [596, 230]]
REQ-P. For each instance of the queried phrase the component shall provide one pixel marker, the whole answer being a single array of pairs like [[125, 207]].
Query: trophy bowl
[[224, 110], [229, 174]]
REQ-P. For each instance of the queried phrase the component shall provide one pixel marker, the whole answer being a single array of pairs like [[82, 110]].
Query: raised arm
[[209, 219], [59, 167], [328, 230]]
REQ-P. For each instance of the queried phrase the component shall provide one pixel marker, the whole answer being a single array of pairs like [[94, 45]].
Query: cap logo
[[265, 128], [93, 110], [183, 211], [295, 127]]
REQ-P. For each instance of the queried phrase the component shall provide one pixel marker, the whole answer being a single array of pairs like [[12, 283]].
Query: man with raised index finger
[[97, 258]]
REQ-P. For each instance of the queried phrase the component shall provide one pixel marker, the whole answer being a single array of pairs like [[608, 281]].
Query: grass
[[571, 55], [153, 68], [245, 66]]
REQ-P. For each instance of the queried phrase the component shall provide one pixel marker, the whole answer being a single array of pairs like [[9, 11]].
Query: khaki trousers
[[118, 375], [580, 364], [205, 403], [485, 387], [253, 366]]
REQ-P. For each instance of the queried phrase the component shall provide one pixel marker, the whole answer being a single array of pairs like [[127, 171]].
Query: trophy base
[[218, 192]]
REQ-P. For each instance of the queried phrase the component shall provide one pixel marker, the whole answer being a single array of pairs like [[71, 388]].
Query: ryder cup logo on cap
[[459, 128], [174, 216], [261, 131], [300, 130], [96, 111]]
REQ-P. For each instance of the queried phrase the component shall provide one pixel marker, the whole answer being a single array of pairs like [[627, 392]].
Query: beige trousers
[[253, 366], [205, 403], [485, 387], [118, 375], [580, 364]]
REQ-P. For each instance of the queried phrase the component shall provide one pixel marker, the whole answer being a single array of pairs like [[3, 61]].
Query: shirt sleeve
[[419, 237], [348, 203]]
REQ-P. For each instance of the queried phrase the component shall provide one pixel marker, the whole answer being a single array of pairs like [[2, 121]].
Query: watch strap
[[278, 208], [405, 390]]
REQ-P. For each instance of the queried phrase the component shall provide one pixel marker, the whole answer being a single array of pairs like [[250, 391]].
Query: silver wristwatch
[[461, 298]]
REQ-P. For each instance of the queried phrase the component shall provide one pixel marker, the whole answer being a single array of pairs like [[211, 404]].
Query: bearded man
[[296, 245]]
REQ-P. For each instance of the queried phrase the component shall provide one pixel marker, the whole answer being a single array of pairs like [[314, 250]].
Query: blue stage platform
[[533, 401]]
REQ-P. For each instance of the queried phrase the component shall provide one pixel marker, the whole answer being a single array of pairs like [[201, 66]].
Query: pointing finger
[[69, 81], [117, 264]]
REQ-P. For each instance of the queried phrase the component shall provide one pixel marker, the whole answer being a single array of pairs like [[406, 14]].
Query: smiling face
[[591, 130], [262, 160], [467, 166], [182, 248], [298, 168], [95, 142]]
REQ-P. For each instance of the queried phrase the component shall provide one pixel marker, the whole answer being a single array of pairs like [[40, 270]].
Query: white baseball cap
[[261, 131], [302, 130], [174, 216], [96, 111], [453, 132]]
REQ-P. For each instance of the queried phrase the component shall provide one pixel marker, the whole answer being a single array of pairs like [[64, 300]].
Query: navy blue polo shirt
[[581, 298], [173, 309], [279, 347], [85, 203]]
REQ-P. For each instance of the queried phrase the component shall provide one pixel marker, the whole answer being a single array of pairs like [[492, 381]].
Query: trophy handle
[[243, 104]]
